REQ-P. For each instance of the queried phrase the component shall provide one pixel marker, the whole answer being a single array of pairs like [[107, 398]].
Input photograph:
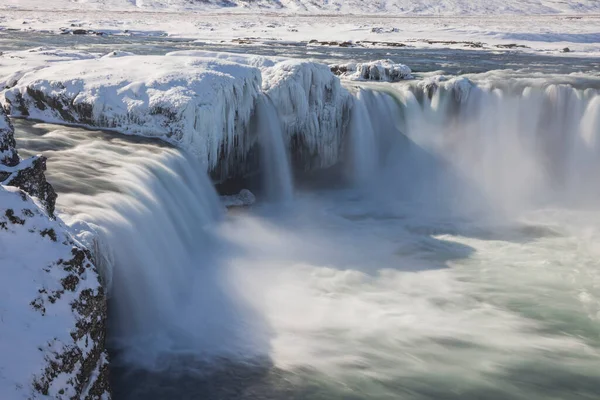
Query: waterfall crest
[[518, 145]]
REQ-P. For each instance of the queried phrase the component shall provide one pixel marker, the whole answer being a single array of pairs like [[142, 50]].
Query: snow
[[246, 59], [410, 7], [420, 24], [380, 70], [30, 338], [195, 103], [197, 100], [14, 65]]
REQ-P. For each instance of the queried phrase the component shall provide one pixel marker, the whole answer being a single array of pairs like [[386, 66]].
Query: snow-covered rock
[[201, 105], [244, 198], [313, 109], [200, 101], [8, 153], [52, 308], [310, 102], [380, 70], [15, 64], [25, 174], [459, 87]]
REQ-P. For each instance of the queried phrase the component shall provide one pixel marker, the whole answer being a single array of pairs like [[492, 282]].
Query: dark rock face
[[8, 153], [30, 177], [91, 369]]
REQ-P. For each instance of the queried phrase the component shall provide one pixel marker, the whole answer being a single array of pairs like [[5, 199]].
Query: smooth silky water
[[462, 260]]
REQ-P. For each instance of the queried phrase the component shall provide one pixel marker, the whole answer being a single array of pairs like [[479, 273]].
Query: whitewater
[[452, 255]]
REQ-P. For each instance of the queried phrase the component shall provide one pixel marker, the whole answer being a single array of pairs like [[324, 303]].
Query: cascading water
[[520, 144], [149, 211], [276, 166], [362, 142]]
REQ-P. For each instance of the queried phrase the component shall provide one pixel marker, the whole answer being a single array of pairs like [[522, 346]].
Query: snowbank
[[313, 109], [53, 314], [380, 70], [201, 105]]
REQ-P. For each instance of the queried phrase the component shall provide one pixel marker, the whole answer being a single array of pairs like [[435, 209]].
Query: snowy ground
[[413, 7], [547, 33]]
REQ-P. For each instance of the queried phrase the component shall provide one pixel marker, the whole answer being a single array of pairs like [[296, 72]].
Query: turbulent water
[[461, 263]]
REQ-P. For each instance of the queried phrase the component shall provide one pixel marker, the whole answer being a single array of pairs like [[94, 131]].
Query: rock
[[52, 337], [244, 199], [566, 50], [8, 153], [28, 174]]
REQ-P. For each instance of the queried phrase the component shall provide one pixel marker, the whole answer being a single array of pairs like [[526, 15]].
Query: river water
[[467, 267]]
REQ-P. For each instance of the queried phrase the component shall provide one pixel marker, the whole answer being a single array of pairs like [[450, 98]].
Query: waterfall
[[517, 144], [150, 212], [277, 174], [362, 139]]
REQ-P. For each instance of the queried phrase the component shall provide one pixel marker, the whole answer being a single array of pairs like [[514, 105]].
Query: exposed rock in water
[[381, 70], [243, 199]]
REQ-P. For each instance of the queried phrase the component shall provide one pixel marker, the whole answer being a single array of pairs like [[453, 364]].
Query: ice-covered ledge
[[202, 102], [201, 105]]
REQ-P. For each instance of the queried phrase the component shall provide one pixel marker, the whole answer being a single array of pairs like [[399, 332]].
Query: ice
[[201, 105], [380, 70], [313, 108]]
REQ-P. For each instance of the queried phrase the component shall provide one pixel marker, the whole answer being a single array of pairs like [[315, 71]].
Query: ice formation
[[202, 105], [380, 70], [313, 108]]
